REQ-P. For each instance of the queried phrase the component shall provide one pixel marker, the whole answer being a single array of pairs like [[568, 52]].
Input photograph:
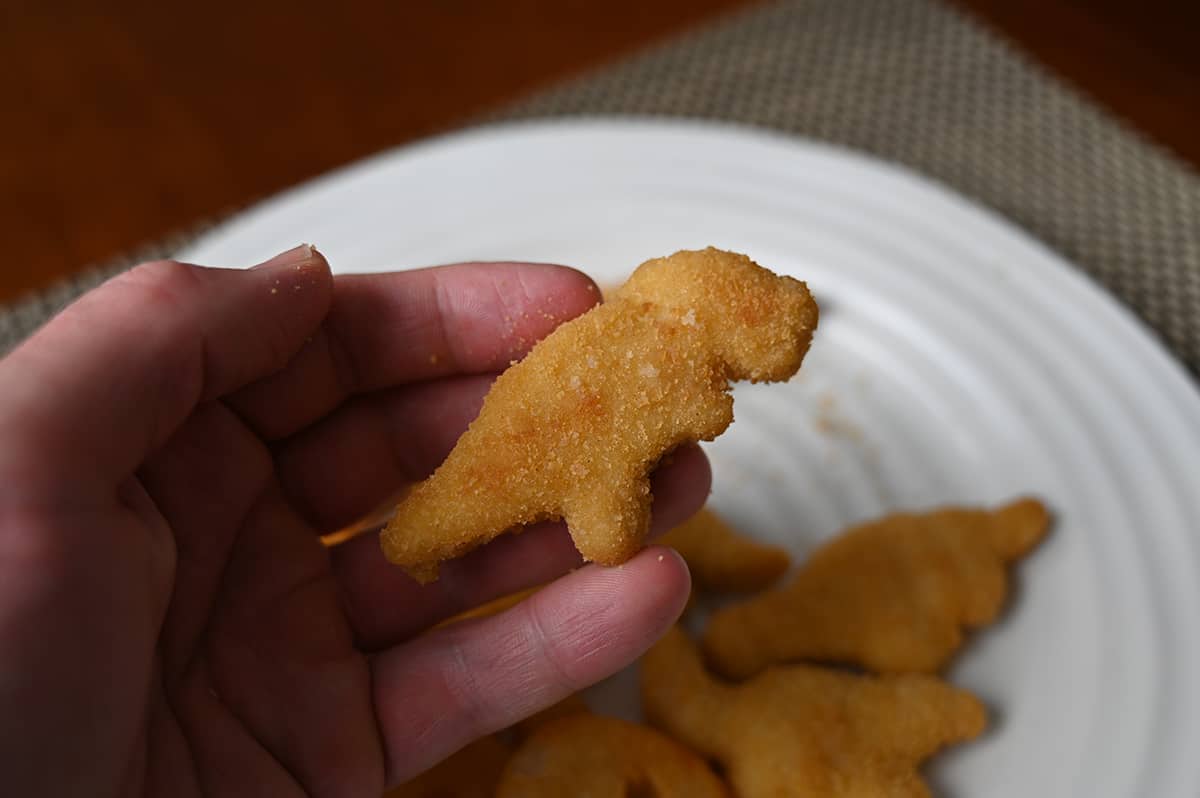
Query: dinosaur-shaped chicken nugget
[[802, 730], [721, 559], [605, 757], [573, 430], [893, 595]]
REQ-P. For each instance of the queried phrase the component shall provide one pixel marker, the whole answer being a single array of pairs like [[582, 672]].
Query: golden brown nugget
[[891, 596], [573, 430], [473, 772], [803, 730], [721, 559], [604, 757]]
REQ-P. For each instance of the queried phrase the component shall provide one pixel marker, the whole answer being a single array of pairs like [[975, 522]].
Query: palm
[[256, 683], [227, 650]]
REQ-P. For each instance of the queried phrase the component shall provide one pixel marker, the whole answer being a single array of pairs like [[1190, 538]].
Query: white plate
[[957, 360]]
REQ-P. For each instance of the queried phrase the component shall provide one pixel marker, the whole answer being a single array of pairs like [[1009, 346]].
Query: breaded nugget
[[573, 430], [473, 772], [893, 595], [802, 730], [602, 757], [721, 559]]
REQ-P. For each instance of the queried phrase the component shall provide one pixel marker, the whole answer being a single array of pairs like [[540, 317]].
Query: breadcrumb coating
[[893, 595], [807, 731]]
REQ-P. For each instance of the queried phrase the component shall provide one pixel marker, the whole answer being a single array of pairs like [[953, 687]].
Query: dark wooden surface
[[124, 121], [1138, 58]]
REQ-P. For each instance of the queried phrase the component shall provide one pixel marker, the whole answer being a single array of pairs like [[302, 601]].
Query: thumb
[[109, 379]]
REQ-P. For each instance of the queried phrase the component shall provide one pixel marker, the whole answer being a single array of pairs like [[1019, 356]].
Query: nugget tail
[[424, 532], [931, 714], [742, 639], [1018, 527]]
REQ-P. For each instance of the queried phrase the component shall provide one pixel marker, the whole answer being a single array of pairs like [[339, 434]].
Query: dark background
[[122, 122]]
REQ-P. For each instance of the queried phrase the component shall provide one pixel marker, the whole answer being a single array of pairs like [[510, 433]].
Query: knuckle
[[468, 696], [550, 648]]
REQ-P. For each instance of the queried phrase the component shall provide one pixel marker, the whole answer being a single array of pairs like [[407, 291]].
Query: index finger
[[389, 329], [441, 690]]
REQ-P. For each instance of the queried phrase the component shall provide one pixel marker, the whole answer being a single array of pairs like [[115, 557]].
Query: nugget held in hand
[[893, 595], [604, 757], [573, 430], [721, 559], [804, 730]]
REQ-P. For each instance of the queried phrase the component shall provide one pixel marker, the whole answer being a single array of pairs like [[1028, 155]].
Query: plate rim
[[621, 124]]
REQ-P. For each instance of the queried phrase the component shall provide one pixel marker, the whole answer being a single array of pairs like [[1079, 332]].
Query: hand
[[172, 447]]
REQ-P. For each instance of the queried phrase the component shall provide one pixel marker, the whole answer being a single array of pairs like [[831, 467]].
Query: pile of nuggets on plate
[[825, 685]]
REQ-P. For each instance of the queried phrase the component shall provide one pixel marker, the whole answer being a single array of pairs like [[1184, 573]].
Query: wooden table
[[126, 121]]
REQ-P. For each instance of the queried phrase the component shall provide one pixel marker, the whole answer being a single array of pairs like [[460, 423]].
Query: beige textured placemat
[[914, 82]]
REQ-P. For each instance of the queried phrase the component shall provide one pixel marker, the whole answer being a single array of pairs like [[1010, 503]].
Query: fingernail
[[296, 257]]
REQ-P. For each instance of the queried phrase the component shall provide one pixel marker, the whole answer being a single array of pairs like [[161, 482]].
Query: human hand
[[173, 446]]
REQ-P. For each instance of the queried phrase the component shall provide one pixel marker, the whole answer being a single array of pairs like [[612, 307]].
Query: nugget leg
[[609, 519]]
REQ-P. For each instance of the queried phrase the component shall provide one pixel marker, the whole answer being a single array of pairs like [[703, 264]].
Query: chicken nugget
[[604, 757], [721, 559], [574, 429], [473, 772], [803, 730], [891, 596]]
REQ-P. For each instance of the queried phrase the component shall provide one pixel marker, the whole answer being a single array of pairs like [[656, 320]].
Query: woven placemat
[[915, 82]]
